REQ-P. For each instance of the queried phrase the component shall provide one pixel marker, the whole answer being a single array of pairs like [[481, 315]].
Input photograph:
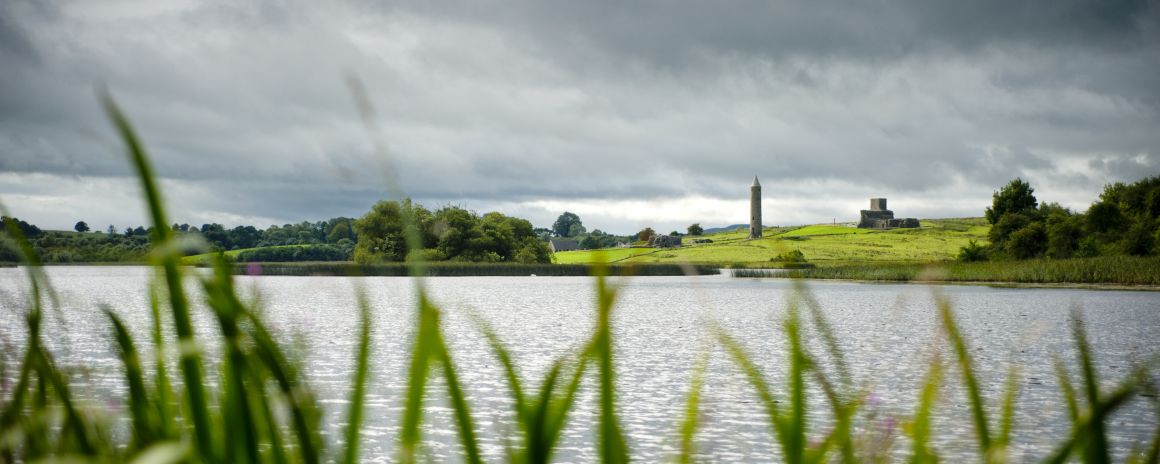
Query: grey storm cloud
[[523, 102]]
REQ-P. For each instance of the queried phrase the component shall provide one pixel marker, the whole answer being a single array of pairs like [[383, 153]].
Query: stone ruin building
[[666, 241], [878, 217]]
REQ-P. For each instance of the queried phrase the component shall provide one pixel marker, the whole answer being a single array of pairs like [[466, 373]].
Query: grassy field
[[822, 244], [206, 259]]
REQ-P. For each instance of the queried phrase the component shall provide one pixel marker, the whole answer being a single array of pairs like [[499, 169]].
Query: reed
[[262, 408], [464, 269], [1122, 270]]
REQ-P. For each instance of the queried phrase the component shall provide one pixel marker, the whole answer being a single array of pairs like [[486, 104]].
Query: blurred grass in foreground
[[263, 409]]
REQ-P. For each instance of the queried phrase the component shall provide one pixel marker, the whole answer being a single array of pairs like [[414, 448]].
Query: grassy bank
[[457, 269], [1121, 270], [823, 245]]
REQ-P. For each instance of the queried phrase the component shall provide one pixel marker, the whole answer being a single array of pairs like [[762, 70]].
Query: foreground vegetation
[[261, 408], [823, 245], [1120, 270]]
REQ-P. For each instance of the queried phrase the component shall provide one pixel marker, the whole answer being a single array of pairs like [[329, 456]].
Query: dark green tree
[[567, 225], [1007, 225], [1138, 241], [646, 234], [533, 251], [381, 232], [696, 229], [340, 230], [973, 252], [1016, 197], [1105, 217], [81, 227], [1028, 242], [1063, 236], [454, 229], [243, 237]]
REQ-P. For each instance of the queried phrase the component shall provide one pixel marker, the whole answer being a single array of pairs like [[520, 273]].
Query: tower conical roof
[[755, 182]]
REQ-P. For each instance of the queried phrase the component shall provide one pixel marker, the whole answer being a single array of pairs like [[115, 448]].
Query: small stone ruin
[[878, 217], [666, 241]]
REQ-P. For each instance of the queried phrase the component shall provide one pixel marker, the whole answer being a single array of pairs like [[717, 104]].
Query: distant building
[[666, 241], [878, 217], [755, 209], [559, 244]]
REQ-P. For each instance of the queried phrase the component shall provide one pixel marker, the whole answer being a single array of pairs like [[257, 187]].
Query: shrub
[[972, 252]]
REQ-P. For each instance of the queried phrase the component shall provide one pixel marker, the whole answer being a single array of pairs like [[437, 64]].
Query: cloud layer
[[649, 113]]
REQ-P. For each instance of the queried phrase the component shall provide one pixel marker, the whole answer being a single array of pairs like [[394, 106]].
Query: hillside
[[823, 244]]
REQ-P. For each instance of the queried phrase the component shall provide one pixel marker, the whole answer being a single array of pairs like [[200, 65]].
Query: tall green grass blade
[[304, 414], [843, 410], [458, 404], [963, 356], [920, 428], [829, 338], [268, 424], [504, 357], [552, 412], [798, 365], [238, 413], [190, 353], [362, 372], [1007, 419], [1068, 391], [168, 452], [765, 394], [1089, 426], [144, 422], [692, 411], [1097, 441], [75, 424], [613, 447], [422, 353], [165, 405]]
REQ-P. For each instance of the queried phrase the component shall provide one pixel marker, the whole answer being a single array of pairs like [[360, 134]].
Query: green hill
[[823, 244]]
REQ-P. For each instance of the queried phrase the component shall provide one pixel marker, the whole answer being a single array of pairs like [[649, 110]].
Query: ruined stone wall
[[871, 217], [884, 219], [666, 241]]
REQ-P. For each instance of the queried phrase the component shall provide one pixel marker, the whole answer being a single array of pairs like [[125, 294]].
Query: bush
[[294, 253], [794, 256], [1028, 242], [973, 252]]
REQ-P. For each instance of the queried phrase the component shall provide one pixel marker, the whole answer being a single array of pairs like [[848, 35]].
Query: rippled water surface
[[660, 323]]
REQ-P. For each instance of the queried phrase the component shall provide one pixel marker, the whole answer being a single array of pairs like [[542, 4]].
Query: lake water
[[888, 332]]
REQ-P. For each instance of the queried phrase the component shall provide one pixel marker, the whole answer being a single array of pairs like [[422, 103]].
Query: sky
[[629, 114]]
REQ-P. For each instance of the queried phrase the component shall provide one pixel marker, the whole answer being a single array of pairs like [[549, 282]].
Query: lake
[[888, 331]]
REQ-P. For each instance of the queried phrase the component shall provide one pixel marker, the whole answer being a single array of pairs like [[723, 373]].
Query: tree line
[[568, 225], [335, 239], [1124, 220], [450, 233]]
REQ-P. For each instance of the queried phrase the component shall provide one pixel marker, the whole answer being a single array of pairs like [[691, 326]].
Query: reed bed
[[458, 269], [1120, 270], [263, 409]]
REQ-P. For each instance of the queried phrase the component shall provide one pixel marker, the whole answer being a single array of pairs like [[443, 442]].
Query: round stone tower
[[755, 209]]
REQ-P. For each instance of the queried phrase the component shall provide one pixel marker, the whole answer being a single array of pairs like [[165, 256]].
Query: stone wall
[[878, 217], [666, 241], [871, 218]]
